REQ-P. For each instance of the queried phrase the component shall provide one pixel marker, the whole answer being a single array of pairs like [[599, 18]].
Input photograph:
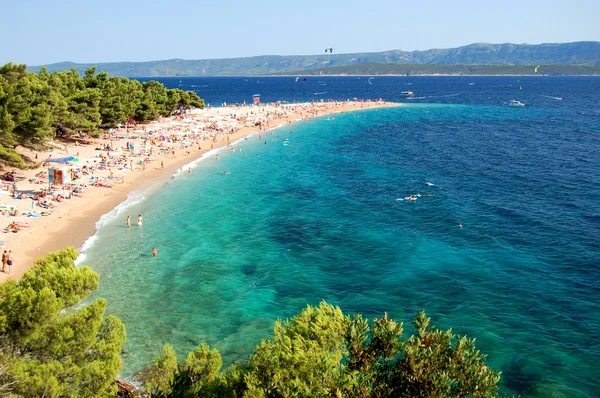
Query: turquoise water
[[323, 215]]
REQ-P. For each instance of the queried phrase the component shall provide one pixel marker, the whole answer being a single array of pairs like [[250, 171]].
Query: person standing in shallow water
[[139, 220], [154, 252], [4, 260], [9, 261], [128, 222]]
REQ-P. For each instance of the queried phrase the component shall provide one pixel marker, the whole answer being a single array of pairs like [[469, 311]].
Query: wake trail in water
[[431, 184], [444, 96], [551, 97]]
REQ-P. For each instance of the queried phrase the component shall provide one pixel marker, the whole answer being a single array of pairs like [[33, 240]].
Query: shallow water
[[323, 215]]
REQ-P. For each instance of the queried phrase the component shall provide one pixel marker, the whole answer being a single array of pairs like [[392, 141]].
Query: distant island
[[377, 69], [578, 58]]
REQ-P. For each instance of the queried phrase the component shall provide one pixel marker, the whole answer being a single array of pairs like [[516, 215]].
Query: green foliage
[[25, 116], [323, 353], [202, 364], [11, 157], [162, 373], [304, 357], [197, 376], [438, 363], [35, 107], [47, 346]]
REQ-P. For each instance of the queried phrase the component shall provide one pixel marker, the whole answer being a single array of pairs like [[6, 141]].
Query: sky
[[41, 32]]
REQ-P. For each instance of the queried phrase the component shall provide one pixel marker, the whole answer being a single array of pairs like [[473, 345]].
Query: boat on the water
[[407, 93], [516, 103]]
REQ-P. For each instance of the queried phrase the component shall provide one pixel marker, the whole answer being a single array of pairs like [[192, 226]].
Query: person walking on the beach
[[4, 260], [9, 261], [139, 220], [128, 222], [162, 165]]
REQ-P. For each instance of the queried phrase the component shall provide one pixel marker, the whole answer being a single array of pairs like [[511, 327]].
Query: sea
[[502, 243]]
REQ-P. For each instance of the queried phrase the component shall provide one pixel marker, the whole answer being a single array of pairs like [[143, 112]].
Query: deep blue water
[[322, 216]]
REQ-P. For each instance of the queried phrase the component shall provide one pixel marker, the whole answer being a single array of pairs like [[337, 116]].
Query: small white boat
[[407, 93], [516, 103]]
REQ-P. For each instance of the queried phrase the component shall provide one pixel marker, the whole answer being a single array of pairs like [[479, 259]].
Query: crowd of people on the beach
[[131, 147]]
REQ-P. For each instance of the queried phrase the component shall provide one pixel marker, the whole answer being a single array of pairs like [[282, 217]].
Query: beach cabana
[[60, 175]]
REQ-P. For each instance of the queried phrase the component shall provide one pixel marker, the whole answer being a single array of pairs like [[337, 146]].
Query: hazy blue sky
[[47, 31]]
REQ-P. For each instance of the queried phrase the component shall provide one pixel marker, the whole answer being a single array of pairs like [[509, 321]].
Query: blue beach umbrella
[[62, 160]]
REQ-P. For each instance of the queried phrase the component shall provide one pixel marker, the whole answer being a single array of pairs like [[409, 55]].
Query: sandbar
[[73, 220]]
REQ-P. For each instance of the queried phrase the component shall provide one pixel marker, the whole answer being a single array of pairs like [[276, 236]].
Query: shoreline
[[74, 222], [412, 75], [386, 74]]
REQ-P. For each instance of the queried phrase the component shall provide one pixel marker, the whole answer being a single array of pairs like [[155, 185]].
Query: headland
[[42, 217]]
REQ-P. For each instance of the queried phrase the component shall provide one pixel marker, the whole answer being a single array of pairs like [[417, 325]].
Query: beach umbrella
[[61, 160]]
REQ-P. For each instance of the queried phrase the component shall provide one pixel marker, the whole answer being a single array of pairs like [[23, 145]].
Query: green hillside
[[373, 69], [578, 53]]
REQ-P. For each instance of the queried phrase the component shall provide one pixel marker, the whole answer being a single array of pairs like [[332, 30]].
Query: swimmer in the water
[[154, 252]]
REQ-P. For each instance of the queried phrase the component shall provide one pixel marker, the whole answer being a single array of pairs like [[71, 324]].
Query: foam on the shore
[[133, 199], [192, 165], [139, 196]]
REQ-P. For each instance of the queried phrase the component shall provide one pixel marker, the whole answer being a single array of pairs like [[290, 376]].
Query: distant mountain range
[[373, 69], [585, 54]]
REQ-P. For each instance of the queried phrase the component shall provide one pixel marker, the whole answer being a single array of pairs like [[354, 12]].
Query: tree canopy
[[323, 353], [34, 107], [53, 346], [48, 345]]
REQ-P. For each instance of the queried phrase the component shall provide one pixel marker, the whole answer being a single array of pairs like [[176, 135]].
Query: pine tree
[[48, 346]]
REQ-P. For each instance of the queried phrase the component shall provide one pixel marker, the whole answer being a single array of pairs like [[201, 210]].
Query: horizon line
[[307, 55]]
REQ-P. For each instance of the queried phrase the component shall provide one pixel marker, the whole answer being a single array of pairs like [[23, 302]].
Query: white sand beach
[[42, 217]]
